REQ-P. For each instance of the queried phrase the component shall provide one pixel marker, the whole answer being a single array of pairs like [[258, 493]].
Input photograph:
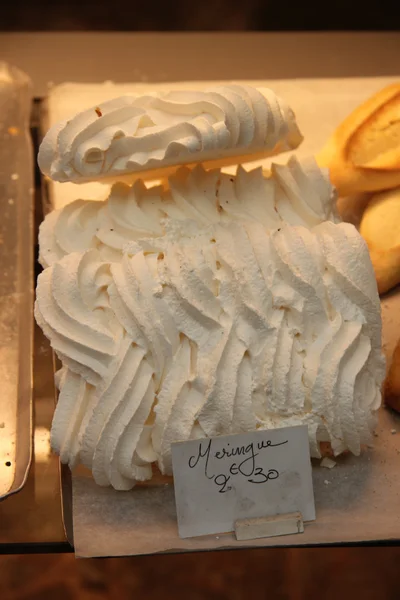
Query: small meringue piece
[[328, 463]]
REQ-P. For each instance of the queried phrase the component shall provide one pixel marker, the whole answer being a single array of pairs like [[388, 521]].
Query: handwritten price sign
[[244, 463], [257, 474]]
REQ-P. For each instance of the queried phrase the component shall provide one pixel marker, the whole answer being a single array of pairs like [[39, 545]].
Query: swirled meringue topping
[[134, 134], [212, 329], [298, 193]]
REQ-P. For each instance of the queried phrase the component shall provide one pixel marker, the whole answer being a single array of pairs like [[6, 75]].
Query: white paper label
[[222, 479]]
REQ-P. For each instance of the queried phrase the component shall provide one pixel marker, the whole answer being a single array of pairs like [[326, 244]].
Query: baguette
[[387, 268], [363, 154]]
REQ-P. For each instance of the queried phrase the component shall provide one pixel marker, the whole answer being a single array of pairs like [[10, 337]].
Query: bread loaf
[[363, 155], [380, 227]]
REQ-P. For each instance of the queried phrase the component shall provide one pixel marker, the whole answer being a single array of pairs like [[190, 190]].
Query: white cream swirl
[[131, 134], [72, 308], [225, 328], [298, 193]]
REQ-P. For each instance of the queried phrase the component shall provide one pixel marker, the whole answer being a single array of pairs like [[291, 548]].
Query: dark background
[[206, 15]]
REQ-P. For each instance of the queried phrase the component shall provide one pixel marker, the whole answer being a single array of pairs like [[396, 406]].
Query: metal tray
[[16, 279]]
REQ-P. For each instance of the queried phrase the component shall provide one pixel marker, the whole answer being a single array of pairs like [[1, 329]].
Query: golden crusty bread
[[380, 227], [363, 154], [380, 224], [387, 268], [392, 383]]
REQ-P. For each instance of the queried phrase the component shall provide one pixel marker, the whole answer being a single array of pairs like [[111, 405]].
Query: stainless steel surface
[[16, 279], [30, 521], [141, 57]]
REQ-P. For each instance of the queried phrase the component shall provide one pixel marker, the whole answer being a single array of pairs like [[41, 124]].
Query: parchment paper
[[358, 500]]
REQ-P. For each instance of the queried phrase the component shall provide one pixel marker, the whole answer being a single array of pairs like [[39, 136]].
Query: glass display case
[[39, 517]]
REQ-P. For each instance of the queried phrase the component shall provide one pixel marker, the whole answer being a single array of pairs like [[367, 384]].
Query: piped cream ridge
[[298, 193]]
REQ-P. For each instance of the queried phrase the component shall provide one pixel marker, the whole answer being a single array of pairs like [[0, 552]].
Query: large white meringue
[[212, 329], [298, 193], [134, 134]]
